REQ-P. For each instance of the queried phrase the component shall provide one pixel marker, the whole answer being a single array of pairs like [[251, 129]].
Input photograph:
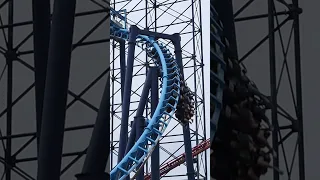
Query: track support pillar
[[41, 29], [56, 89], [127, 92], [155, 157]]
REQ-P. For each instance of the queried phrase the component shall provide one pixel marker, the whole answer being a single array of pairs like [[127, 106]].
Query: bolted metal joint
[[11, 55]]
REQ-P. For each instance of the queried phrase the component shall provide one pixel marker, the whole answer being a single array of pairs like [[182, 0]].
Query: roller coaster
[[176, 99], [58, 55], [240, 126]]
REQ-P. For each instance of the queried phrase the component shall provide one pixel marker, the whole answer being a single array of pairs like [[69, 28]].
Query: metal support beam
[[225, 11], [299, 110], [10, 56], [176, 40], [186, 129], [188, 149], [142, 104], [139, 120], [140, 125], [155, 157], [132, 138], [122, 64], [127, 93], [55, 96], [273, 86], [41, 34], [196, 118]]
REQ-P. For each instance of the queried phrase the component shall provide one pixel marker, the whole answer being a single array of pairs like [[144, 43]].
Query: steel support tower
[[54, 89], [160, 17], [275, 24]]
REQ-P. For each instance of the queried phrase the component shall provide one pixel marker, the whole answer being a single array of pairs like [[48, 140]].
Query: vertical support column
[[194, 58], [99, 147], [41, 34], [9, 58], [111, 161], [155, 15], [225, 10], [138, 122], [127, 93], [55, 97], [273, 85], [132, 137], [144, 94], [176, 40], [155, 157], [188, 150], [186, 129], [122, 64], [140, 125], [299, 110], [203, 92]]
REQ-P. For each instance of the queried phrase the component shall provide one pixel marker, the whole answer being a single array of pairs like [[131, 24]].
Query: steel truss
[[283, 28], [163, 17], [25, 30]]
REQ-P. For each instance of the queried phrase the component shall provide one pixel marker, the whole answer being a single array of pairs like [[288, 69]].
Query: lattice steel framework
[[24, 43], [168, 17], [279, 21]]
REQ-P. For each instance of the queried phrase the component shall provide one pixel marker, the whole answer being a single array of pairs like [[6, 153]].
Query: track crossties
[[175, 97]]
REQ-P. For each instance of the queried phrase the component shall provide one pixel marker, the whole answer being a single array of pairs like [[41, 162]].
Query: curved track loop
[[218, 66], [165, 109]]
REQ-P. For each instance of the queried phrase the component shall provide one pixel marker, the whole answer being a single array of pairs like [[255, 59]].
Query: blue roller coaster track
[[170, 94]]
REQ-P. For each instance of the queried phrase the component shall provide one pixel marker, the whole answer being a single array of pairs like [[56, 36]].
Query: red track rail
[[165, 168]]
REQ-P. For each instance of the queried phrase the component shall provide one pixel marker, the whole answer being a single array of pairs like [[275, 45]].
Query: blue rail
[[217, 76], [166, 107]]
